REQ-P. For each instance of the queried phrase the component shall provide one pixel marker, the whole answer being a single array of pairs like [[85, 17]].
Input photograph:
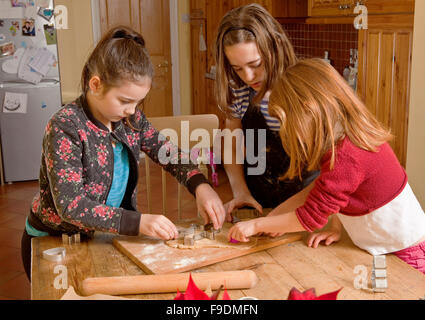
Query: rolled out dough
[[219, 242]]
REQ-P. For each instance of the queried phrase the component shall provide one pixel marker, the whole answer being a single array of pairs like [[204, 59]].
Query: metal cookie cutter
[[197, 232], [210, 232], [189, 235], [379, 274], [71, 239], [55, 254], [235, 219]]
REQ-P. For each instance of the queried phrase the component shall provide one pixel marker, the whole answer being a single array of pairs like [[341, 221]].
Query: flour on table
[[148, 249], [188, 261]]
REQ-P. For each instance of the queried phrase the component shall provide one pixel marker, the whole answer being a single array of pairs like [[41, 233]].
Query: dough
[[219, 242]]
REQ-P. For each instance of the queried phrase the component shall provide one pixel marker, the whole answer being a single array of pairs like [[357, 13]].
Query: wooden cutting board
[[155, 257]]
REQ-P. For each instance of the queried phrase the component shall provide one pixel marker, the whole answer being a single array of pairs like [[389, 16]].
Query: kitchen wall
[[312, 40], [416, 140], [76, 43], [74, 46]]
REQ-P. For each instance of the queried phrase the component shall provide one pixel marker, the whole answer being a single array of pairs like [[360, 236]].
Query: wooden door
[[384, 79], [152, 19]]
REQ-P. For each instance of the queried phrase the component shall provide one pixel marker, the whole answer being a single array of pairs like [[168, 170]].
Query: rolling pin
[[163, 283]]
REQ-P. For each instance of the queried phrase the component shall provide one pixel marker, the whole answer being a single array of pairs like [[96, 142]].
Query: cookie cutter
[[379, 274], [55, 254], [210, 232], [197, 232], [71, 239]]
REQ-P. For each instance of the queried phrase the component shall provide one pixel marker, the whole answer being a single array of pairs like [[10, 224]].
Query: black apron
[[267, 189]]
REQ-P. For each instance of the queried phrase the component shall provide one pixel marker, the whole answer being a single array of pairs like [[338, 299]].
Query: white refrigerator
[[26, 107]]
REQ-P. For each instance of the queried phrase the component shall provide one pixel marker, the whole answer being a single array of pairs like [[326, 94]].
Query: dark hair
[[250, 23], [120, 55]]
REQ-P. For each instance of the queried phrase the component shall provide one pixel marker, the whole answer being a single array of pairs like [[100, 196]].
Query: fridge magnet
[[15, 102], [46, 13], [12, 30], [15, 24], [7, 49], [19, 3], [50, 33], [28, 27], [1, 23], [2, 37]]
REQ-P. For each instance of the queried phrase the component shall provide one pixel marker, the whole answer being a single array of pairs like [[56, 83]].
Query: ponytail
[[120, 55]]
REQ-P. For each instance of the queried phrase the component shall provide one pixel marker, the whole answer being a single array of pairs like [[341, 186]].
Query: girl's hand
[[331, 235], [239, 202], [210, 206], [243, 230], [157, 226]]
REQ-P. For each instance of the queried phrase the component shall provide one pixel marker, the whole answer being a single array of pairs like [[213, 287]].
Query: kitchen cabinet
[[338, 8], [333, 8], [288, 8], [385, 53], [388, 6]]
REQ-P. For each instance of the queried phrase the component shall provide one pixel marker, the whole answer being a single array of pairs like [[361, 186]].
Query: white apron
[[397, 225]]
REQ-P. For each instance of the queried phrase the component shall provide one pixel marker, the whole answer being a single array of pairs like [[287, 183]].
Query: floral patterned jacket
[[77, 170]]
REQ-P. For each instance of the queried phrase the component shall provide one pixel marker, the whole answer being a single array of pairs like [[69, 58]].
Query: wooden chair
[[208, 122]]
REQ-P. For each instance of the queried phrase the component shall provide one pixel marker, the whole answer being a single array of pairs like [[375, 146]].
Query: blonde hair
[[317, 109], [250, 23]]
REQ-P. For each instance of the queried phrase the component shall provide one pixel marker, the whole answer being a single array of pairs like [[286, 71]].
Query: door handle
[[163, 65]]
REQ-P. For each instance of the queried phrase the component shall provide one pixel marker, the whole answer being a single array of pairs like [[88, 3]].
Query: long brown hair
[[250, 23], [317, 109], [119, 56]]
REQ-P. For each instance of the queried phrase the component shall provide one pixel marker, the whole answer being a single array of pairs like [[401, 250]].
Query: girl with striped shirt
[[251, 52]]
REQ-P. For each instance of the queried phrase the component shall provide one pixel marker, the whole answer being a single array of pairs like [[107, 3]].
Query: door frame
[[174, 38]]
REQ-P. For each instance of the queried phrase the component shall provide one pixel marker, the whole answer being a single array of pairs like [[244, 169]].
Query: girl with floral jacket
[[91, 149]]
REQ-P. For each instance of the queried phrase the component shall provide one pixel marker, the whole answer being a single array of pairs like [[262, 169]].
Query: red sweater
[[360, 182]]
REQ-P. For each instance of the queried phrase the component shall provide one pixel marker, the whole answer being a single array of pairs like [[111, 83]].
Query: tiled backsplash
[[312, 40]]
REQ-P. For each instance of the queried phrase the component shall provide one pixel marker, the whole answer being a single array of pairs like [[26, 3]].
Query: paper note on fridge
[[25, 72], [15, 102], [11, 65], [42, 61]]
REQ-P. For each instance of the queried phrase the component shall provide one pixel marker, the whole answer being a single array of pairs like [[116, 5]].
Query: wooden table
[[279, 269]]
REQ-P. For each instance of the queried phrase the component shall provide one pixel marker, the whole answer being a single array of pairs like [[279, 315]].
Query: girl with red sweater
[[324, 126]]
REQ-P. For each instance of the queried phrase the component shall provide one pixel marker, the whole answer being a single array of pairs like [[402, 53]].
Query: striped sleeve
[[272, 122], [241, 102]]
